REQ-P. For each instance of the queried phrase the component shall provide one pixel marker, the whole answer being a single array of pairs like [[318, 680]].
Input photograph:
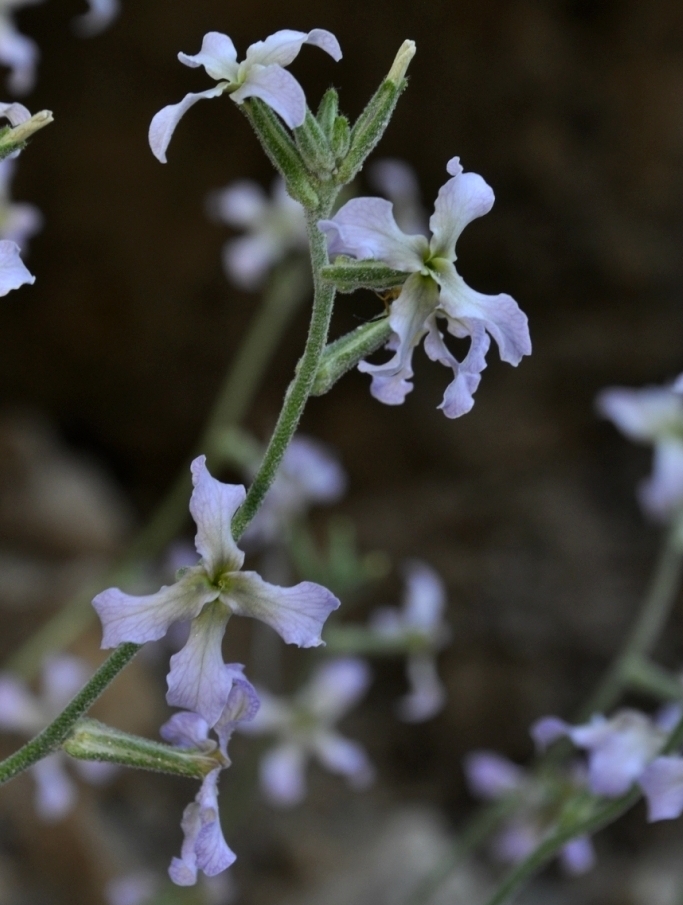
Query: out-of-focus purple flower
[[304, 726], [208, 594], [421, 625], [97, 19], [18, 222], [491, 776], [274, 227], [662, 785], [652, 415], [25, 713], [132, 889], [204, 847], [309, 474], [261, 74], [19, 53], [396, 180], [365, 228], [618, 748]]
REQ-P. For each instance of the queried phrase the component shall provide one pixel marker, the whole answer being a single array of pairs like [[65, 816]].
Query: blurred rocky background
[[573, 111]]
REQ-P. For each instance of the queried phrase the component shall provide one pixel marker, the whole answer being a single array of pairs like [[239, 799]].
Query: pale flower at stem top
[[653, 415], [209, 594], [23, 712], [304, 727], [365, 228], [261, 74]]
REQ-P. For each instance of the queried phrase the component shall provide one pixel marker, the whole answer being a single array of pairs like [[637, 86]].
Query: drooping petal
[[198, 680], [662, 785], [55, 792], [490, 775], [140, 619], [242, 706], [341, 755], [212, 506], [217, 55], [63, 675], [185, 730], [163, 123], [279, 89], [335, 688], [13, 271], [282, 775], [578, 856], [15, 113], [646, 414], [459, 396], [366, 228], [20, 54], [97, 19], [427, 695], [297, 614], [662, 493], [460, 201], [282, 47], [19, 710]]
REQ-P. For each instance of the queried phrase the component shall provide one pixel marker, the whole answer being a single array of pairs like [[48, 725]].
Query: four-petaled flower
[[261, 74], [304, 726], [209, 593], [652, 415], [365, 228], [421, 625], [204, 847]]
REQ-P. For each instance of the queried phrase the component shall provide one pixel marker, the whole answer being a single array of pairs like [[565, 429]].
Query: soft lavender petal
[[247, 260], [548, 730], [335, 688], [13, 271], [661, 494], [279, 89], [97, 19], [282, 775], [62, 676], [425, 596], [394, 178], [273, 715], [22, 221], [185, 730], [242, 204], [55, 792], [15, 113], [125, 617], [578, 856], [242, 707], [644, 414], [315, 469], [132, 889], [668, 716], [20, 54], [212, 506], [459, 396], [427, 695], [490, 775], [662, 785], [297, 614], [460, 201], [283, 47], [19, 710], [341, 755], [198, 680], [217, 55], [164, 122]]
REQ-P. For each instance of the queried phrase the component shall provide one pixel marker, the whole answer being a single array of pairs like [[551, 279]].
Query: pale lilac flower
[[652, 415], [365, 228], [309, 474], [261, 74], [304, 726], [27, 714], [204, 847], [17, 52], [98, 18], [13, 271], [618, 748], [491, 777], [396, 180], [274, 227], [420, 624], [662, 785], [18, 222], [208, 594]]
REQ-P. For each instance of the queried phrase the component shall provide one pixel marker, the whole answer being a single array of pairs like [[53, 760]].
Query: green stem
[[51, 738]]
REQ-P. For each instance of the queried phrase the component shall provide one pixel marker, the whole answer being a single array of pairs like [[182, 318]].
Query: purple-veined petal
[[55, 792], [185, 730], [15, 113], [217, 55], [247, 260], [279, 89], [242, 204], [490, 775], [125, 617], [578, 856], [335, 688], [425, 596], [242, 706], [297, 614], [97, 19], [62, 676], [341, 755], [366, 228], [212, 506], [427, 695], [645, 414], [198, 680], [283, 47], [661, 494], [282, 775], [19, 710], [164, 122], [460, 201], [20, 54], [662, 785], [13, 271]]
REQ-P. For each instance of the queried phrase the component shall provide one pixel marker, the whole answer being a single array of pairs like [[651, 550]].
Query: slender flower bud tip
[[25, 130], [399, 67]]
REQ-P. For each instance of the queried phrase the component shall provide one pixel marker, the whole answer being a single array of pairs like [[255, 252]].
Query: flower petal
[[425, 596], [13, 271], [662, 785], [578, 856], [163, 123], [98, 18], [19, 710], [459, 396], [548, 730], [366, 228], [15, 113], [279, 89], [185, 730], [646, 414], [217, 55], [140, 619], [460, 201], [341, 755], [282, 775], [427, 695], [273, 715], [62, 676], [20, 54], [247, 260], [198, 680], [661, 494], [242, 706], [297, 614], [283, 47], [490, 775], [335, 688], [212, 506], [243, 204], [55, 792]]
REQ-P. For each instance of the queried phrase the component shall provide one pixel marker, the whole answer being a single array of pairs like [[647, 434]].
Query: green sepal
[[345, 353], [314, 147], [7, 145], [341, 137], [281, 151], [327, 111], [92, 740], [348, 275]]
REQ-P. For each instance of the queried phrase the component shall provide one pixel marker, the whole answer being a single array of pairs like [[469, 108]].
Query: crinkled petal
[[242, 706], [20, 54], [283, 47], [63, 675], [490, 775], [297, 614], [661, 494], [645, 414], [460, 201], [164, 122], [578, 856], [55, 792], [248, 260], [366, 228], [341, 755], [459, 396], [662, 785], [13, 271], [198, 680], [279, 89], [425, 596], [97, 19], [217, 55], [185, 730], [125, 617], [335, 688], [212, 506], [282, 775], [15, 113], [427, 695], [19, 710]]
